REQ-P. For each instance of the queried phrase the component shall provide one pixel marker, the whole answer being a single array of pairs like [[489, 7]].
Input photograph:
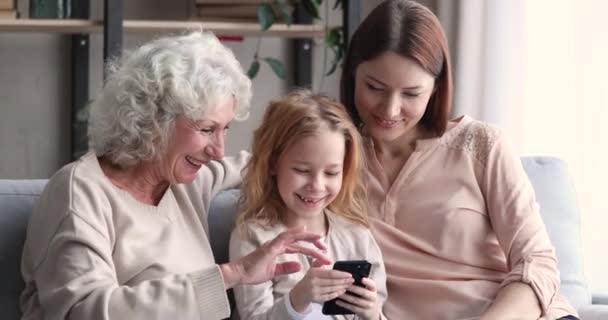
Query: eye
[[207, 131], [332, 173], [373, 87], [410, 94], [300, 170]]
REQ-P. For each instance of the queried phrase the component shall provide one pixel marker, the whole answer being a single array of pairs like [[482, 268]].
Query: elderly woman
[[122, 232]]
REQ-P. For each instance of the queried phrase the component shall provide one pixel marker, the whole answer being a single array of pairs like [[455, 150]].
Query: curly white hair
[[131, 120]]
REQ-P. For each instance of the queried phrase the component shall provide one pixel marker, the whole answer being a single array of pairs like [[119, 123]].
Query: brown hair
[[301, 113], [412, 31]]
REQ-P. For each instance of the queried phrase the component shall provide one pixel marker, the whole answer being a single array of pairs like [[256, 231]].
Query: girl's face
[[391, 95], [195, 142], [309, 174]]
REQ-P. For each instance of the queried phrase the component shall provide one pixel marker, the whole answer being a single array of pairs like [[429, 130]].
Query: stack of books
[[230, 10], [7, 9]]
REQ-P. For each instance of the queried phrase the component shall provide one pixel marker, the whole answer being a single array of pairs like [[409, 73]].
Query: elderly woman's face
[[196, 142]]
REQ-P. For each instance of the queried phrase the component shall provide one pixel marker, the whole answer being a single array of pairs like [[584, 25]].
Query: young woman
[[456, 217], [304, 172]]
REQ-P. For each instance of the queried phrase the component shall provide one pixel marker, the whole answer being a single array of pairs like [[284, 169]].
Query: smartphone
[[359, 269]]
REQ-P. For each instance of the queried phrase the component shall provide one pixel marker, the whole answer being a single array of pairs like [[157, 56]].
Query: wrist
[[232, 274], [298, 303], [376, 316]]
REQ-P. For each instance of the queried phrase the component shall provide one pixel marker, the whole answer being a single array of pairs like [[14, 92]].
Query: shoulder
[[349, 240], [82, 190], [74, 193], [474, 137], [345, 224], [256, 232], [347, 229], [74, 179]]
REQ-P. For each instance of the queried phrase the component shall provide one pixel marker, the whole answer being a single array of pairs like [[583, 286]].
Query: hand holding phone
[[359, 269], [319, 285]]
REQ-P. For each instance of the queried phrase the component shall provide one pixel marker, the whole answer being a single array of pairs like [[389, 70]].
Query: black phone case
[[359, 269]]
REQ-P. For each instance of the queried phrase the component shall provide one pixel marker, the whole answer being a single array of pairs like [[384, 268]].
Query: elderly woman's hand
[[261, 265]]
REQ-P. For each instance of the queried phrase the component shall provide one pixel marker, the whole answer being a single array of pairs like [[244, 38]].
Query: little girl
[[304, 172]]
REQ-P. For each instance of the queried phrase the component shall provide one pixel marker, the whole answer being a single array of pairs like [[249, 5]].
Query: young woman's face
[[391, 95], [195, 142], [309, 174]]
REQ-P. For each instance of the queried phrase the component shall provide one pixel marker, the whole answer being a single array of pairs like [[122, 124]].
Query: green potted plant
[[271, 11]]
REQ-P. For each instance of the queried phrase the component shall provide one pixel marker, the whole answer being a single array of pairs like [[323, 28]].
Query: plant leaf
[[338, 4], [265, 15], [333, 37], [285, 10], [253, 69], [277, 66], [332, 69], [312, 7], [335, 41]]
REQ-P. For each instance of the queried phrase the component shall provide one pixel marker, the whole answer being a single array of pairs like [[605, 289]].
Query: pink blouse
[[460, 222]]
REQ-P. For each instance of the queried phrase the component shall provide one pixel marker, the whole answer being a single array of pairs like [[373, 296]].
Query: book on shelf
[[7, 4], [49, 9], [8, 14]]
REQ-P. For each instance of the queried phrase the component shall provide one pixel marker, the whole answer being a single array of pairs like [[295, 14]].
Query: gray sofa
[[555, 193]]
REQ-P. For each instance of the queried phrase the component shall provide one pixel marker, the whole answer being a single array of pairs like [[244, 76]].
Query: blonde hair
[[131, 120], [301, 113]]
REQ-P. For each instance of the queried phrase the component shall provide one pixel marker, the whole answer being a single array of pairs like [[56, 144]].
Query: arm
[[521, 233], [218, 175], [254, 301], [76, 279], [375, 293], [512, 302]]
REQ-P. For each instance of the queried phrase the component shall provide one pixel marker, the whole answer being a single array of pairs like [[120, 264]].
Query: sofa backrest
[[559, 208], [17, 199], [554, 190]]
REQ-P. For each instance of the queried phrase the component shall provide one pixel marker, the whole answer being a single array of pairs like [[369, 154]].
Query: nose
[[215, 148], [316, 182], [393, 106]]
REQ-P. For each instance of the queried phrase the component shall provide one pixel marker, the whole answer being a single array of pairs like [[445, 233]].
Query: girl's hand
[[319, 285], [366, 305], [260, 265]]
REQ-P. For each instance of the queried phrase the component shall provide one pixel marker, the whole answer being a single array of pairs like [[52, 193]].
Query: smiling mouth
[[194, 162], [310, 201], [386, 123]]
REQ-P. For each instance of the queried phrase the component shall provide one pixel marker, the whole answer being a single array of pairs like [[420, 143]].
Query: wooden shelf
[[147, 26]]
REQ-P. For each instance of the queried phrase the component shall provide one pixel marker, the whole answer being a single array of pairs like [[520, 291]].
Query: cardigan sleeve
[[218, 175], [255, 301], [515, 218], [76, 280]]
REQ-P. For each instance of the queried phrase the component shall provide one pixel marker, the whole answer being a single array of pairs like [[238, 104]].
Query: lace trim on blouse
[[477, 138]]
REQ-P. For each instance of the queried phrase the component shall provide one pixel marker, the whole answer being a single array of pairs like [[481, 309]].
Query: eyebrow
[[213, 123], [384, 84], [333, 165]]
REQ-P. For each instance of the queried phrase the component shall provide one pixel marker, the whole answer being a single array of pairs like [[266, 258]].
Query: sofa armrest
[[600, 298]]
